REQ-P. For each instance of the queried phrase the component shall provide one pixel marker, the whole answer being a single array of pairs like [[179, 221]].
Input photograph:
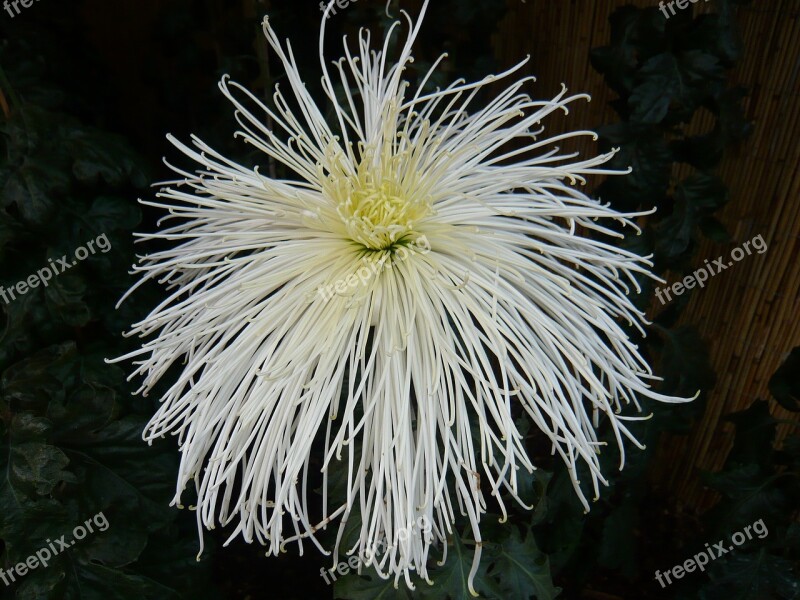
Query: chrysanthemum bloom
[[411, 376]]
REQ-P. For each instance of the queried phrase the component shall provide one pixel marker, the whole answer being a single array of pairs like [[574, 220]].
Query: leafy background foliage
[[71, 430], [74, 140]]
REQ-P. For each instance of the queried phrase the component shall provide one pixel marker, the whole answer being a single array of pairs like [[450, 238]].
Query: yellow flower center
[[379, 205], [379, 214]]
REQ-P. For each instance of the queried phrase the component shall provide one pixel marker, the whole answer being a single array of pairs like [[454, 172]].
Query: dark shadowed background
[[704, 106]]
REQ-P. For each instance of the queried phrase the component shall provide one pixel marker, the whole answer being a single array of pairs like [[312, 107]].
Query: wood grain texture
[[748, 313]]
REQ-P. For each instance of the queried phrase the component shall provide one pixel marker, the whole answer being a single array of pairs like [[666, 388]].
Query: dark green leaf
[[714, 230], [757, 576], [37, 468], [64, 295], [105, 156], [660, 83], [109, 214], [785, 383], [451, 580], [370, 587], [685, 363], [618, 548], [703, 190], [522, 569], [674, 233]]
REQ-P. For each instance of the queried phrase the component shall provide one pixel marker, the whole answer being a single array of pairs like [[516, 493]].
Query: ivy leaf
[[717, 33], [643, 149], [116, 547], [108, 213], [734, 127], [27, 189], [37, 468], [617, 546], [451, 578], [754, 576], [371, 587], [532, 489], [81, 444], [8, 230], [34, 381], [714, 230], [700, 151], [703, 191], [701, 68], [634, 33], [27, 427], [685, 363], [696, 197], [785, 383], [25, 522], [70, 435], [105, 156], [674, 83], [659, 84], [43, 584], [564, 525], [617, 64], [64, 295], [755, 430], [752, 486], [522, 569], [674, 233], [91, 581], [122, 473]]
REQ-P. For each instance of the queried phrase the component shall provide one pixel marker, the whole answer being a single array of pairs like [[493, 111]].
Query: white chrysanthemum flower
[[409, 376]]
